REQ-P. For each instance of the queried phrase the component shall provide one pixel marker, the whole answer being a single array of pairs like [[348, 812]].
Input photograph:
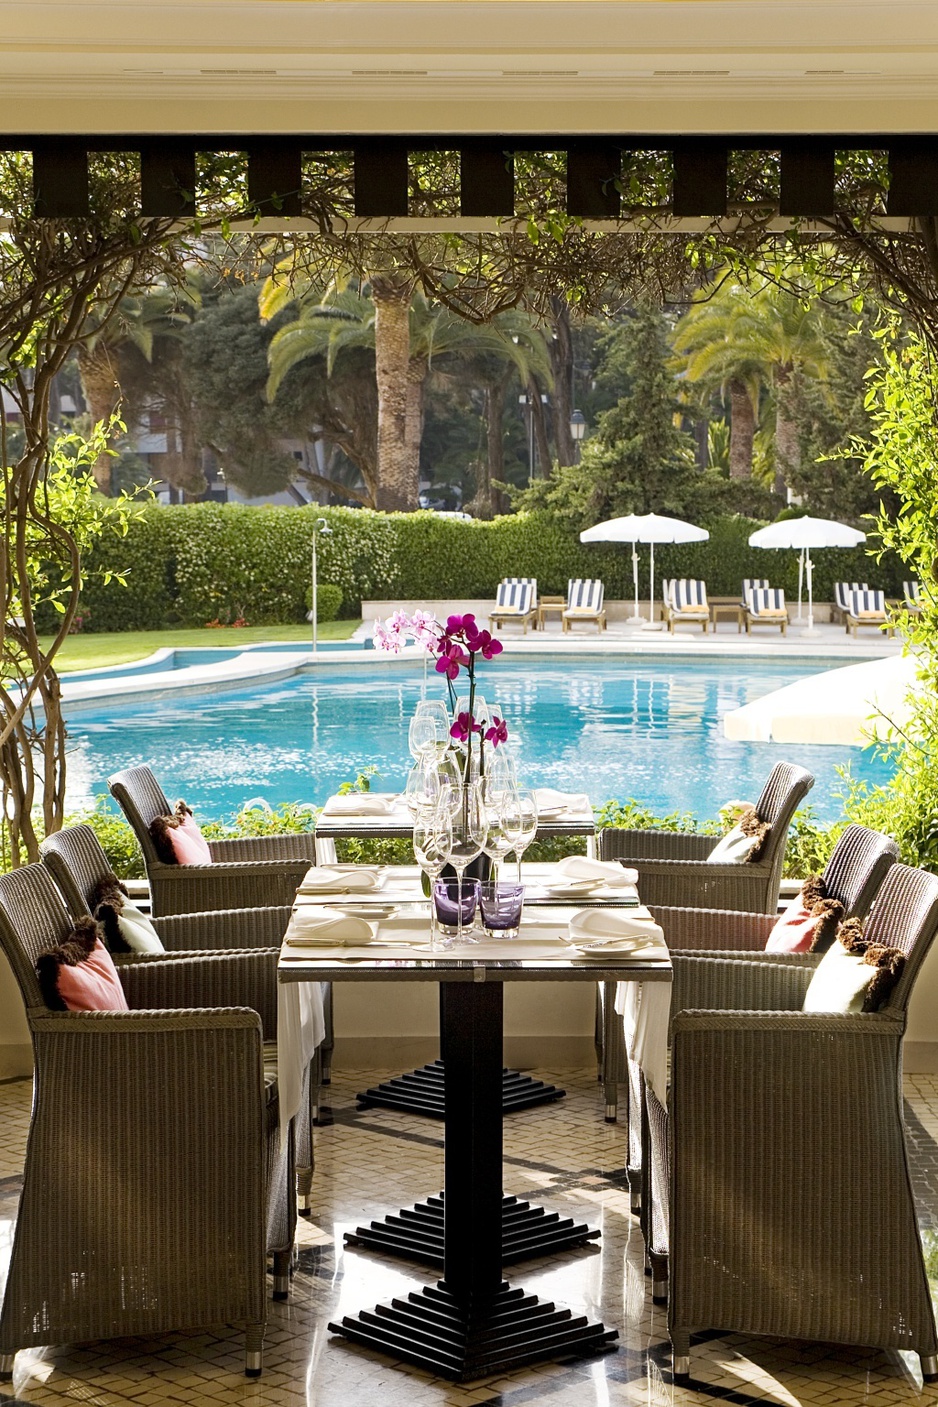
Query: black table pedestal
[[472, 1324], [421, 1092]]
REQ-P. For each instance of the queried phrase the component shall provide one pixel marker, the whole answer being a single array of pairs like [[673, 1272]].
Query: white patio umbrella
[[803, 534], [843, 707], [650, 528]]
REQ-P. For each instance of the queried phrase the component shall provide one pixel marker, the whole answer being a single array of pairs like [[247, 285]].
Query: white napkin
[[324, 928], [611, 930], [550, 800], [323, 879], [359, 803], [645, 1008], [580, 868]]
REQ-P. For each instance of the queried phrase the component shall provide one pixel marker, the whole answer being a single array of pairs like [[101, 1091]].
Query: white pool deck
[[256, 664]]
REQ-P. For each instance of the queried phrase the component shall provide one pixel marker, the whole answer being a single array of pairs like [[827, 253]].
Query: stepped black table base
[[421, 1092], [472, 1323], [416, 1233]]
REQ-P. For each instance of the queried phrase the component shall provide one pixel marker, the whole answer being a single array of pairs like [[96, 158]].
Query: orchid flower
[[498, 733], [465, 725]]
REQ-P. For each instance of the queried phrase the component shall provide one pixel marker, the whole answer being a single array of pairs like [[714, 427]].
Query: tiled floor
[[376, 1161]]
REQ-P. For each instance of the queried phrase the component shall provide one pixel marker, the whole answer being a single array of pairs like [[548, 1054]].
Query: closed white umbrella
[[846, 707], [803, 534], [650, 528]]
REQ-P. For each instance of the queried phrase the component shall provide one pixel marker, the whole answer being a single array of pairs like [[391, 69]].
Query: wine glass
[[429, 729], [423, 786], [523, 824], [433, 841], [501, 820], [468, 835]]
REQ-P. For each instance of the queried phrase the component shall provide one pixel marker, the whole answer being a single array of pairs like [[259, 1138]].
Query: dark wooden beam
[[592, 174], [913, 178], [60, 180], [486, 181], [275, 173], [380, 179], [167, 178], [699, 178], [807, 184]]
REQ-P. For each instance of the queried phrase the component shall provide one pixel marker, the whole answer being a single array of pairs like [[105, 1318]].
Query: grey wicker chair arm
[[631, 845], [720, 930], [727, 982], [689, 884], [231, 978], [266, 847], [180, 889], [224, 928]]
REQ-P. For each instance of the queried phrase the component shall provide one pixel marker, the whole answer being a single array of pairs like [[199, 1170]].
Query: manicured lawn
[[95, 651]]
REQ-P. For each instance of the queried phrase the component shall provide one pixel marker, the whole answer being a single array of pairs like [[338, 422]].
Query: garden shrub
[[199, 562], [328, 601]]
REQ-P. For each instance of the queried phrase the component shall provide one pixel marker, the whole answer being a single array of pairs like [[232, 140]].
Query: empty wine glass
[[501, 820], [468, 835], [423, 786], [429, 729], [523, 824], [433, 841]]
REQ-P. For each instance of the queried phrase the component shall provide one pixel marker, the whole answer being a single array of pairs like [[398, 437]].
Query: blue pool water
[[211, 654], [632, 727]]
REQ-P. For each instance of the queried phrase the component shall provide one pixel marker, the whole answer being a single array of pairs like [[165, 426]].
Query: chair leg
[[929, 1363], [680, 1353], [282, 1262], [328, 1045], [304, 1188], [659, 1277], [253, 1350], [611, 1040], [6, 1366]]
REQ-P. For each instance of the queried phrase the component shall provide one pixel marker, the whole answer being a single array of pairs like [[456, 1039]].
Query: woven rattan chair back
[[905, 916], [785, 789], [857, 867], [32, 919], [142, 799], [77, 863]]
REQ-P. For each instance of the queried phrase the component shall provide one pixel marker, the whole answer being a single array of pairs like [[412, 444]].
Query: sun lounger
[[843, 590], [912, 594], [514, 600], [765, 605], [867, 608], [584, 603], [752, 583], [686, 601]]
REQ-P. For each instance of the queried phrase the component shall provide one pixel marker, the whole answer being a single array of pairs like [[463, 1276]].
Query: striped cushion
[[767, 601], [912, 591], [525, 581], [843, 590], [868, 603], [689, 595], [515, 597], [753, 583], [585, 594]]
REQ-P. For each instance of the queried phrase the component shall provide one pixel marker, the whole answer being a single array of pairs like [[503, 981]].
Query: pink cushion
[[189, 847], [93, 984], [795, 930]]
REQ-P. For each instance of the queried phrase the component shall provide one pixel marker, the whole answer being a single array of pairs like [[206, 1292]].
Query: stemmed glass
[[433, 841], [501, 821], [468, 835], [429, 730], [522, 825]]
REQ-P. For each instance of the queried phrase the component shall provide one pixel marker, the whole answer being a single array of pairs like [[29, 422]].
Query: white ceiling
[[539, 66]]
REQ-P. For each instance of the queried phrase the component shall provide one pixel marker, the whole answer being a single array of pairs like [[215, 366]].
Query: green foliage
[[809, 844], [632, 815], [328, 601], [290, 818]]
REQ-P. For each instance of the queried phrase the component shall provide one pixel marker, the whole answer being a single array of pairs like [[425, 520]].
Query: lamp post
[[320, 526], [527, 400], [577, 431]]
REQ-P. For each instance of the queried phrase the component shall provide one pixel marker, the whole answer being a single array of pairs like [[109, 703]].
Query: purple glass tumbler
[[501, 908], [446, 899]]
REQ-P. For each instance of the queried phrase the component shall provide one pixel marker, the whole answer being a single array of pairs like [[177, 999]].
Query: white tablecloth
[[646, 1011], [301, 1026]]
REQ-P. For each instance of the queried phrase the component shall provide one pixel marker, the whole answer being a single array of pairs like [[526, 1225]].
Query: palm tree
[[715, 356], [341, 317]]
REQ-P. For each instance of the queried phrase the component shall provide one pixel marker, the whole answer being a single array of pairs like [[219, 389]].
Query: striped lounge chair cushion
[[585, 595], [525, 581], [843, 590], [767, 601], [912, 590], [753, 583], [868, 603], [514, 598], [690, 596]]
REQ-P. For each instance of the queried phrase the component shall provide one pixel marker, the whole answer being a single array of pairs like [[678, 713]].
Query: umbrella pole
[[800, 579], [651, 623], [809, 573], [635, 618]]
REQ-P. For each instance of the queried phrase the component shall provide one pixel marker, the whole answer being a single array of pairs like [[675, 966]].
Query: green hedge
[[201, 562]]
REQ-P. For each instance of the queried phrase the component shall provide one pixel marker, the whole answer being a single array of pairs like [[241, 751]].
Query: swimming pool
[[627, 727], [171, 659]]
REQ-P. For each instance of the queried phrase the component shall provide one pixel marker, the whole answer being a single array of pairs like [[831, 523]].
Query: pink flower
[[487, 645], [451, 657], [386, 640], [456, 625], [465, 725], [425, 629], [498, 733]]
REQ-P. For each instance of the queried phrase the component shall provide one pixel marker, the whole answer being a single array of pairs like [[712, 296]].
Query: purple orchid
[[464, 726], [498, 733]]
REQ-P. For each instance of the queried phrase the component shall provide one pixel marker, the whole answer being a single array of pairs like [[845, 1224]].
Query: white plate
[[322, 893], [573, 887]]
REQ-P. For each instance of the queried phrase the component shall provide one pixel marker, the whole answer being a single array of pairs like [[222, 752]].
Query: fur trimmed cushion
[[854, 975], [125, 928], [178, 840], [79, 975], [744, 843], [809, 924]]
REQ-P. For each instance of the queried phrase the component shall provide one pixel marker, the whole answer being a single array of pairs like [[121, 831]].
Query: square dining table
[[472, 1323]]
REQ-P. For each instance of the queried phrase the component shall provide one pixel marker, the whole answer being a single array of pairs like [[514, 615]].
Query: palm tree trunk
[[560, 348], [398, 484], [101, 390], [540, 429], [416, 382], [787, 455], [742, 431]]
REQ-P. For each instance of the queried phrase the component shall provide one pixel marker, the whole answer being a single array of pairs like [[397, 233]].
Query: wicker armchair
[[790, 1206], [673, 868], [77, 864], [856, 869], [244, 874], [155, 1179]]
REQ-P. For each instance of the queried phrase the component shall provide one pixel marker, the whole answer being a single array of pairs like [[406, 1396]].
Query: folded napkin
[[578, 869], [611, 930], [324, 928], [550, 800], [325, 879], [359, 803]]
